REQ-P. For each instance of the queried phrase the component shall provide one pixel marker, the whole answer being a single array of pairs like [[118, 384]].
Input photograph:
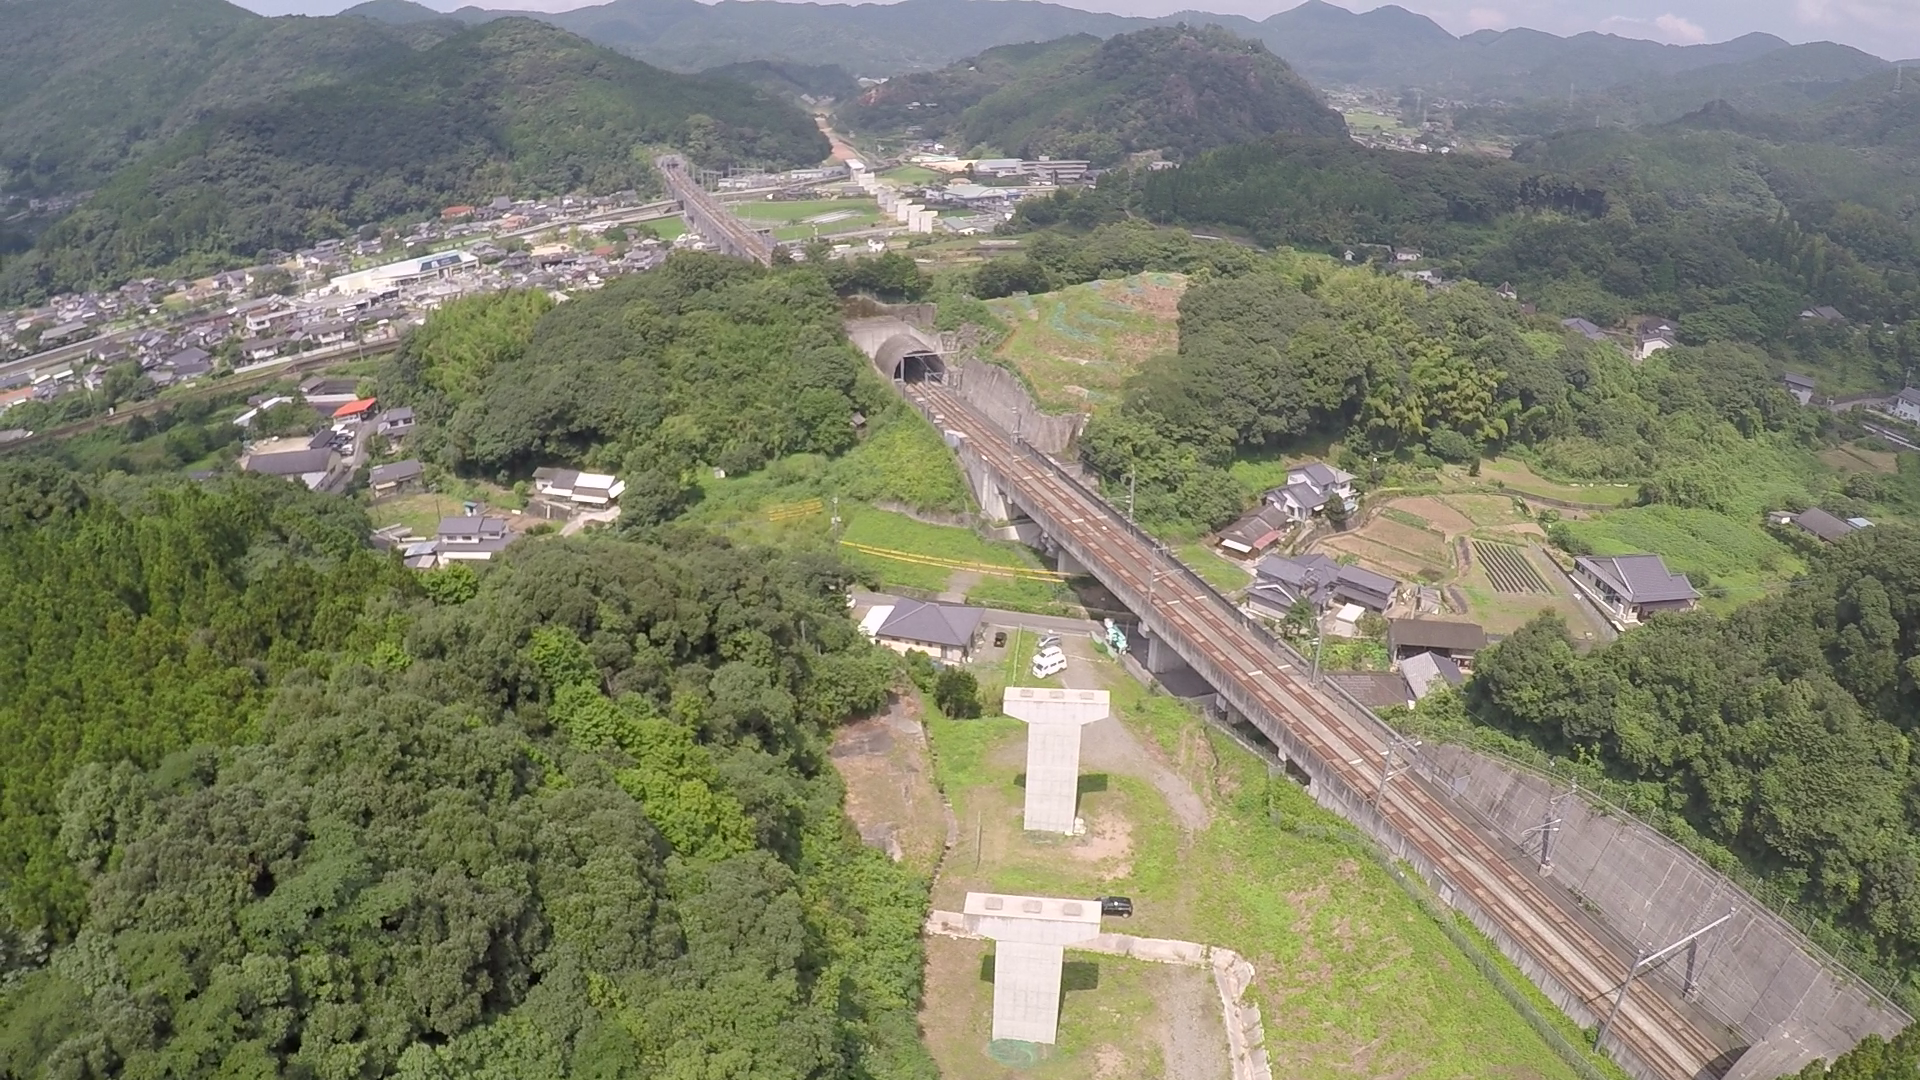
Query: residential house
[[1406, 255], [1280, 582], [10, 398], [1256, 532], [354, 411], [260, 349], [321, 391], [471, 539], [331, 332], [395, 423], [582, 488], [1454, 639], [1906, 405], [198, 361], [1800, 386], [395, 478], [1428, 671], [1630, 589], [190, 365], [1827, 527], [942, 631], [1374, 689], [1652, 335], [1310, 488], [310, 467], [1585, 329], [1824, 314]]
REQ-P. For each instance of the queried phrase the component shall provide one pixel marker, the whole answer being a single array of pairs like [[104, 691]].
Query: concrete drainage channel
[[1232, 975]]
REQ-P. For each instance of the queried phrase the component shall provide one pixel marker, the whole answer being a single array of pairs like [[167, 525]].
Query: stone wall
[[998, 394]]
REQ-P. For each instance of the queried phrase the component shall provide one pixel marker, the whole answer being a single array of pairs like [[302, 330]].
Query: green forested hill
[[513, 106], [789, 79], [88, 85], [1178, 89]]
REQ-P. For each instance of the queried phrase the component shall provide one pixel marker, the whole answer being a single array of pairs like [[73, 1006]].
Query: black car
[[1000, 640], [1121, 906]]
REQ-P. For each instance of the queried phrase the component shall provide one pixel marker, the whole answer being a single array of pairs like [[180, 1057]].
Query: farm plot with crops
[[1509, 569]]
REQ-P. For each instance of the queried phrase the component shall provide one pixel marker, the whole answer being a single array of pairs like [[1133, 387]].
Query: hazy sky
[[1887, 28]]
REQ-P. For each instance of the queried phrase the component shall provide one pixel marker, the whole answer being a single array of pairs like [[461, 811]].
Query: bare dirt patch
[[883, 762], [1436, 513], [1109, 842], [1378, 557], [1406, 538]]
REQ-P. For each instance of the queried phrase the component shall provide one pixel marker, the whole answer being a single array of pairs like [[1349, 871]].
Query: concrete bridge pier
[[1067, 564], [1160, 659]]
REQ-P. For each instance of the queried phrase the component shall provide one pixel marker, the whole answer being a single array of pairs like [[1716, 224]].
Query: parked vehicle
[[1000, 639], [1120, 906], [1049, 662]]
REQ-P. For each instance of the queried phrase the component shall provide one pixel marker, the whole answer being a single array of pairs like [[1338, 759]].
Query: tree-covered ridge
[[1275, 357], [1781, 732], [571, 818], [1177, 89], [142, 621], [89, 85], [1720, 235], [512, 107], [704, 362]]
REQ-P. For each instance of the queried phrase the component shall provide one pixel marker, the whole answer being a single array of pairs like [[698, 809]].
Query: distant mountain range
[[1179, 90], [1387, 47], [511, 107]]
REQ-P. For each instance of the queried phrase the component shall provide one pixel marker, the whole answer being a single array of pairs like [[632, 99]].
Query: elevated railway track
[[708, 217], [1655, 1034]]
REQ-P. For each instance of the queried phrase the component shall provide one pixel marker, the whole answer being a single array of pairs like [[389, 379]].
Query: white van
[[1049, 661]]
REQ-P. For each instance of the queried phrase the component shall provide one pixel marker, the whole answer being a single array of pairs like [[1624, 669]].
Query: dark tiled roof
[[291, 462], [1375, 690], [1642, 579], [1449, 634], [381, 475], [937, 624], [1822, 524]]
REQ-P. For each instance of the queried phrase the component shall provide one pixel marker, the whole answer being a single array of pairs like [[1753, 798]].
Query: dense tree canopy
[[707, 361], [1781, 732], [574, 818]]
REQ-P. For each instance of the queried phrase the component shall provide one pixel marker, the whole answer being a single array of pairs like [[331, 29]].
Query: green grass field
[[1739, 556], [792, 220], [1514, 475], [913, 174], [1077, 345], [1214, 568], [1363, 120], [1353, 976]]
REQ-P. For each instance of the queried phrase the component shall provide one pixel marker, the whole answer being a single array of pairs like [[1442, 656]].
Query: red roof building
[[454, 213], [355, 408]]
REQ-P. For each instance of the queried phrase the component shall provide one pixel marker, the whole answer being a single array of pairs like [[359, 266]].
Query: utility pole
[[1642, 961], [1388, 770], [1132, 476], [1549, 825]]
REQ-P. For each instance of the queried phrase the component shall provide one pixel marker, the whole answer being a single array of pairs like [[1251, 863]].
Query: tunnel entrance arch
[[906, 358]]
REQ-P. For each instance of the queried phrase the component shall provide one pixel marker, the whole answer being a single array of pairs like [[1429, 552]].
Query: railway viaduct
[[1716, 1008], [706, 216]]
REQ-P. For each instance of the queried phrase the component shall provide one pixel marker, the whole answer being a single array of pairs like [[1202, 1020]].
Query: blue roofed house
[[1629, 589]]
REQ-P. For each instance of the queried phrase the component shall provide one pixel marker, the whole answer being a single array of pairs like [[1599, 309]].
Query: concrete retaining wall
[[1757, 973], [998, 394]]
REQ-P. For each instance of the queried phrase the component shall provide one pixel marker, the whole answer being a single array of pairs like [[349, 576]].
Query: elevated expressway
[[708, 217], [1349, 755]]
